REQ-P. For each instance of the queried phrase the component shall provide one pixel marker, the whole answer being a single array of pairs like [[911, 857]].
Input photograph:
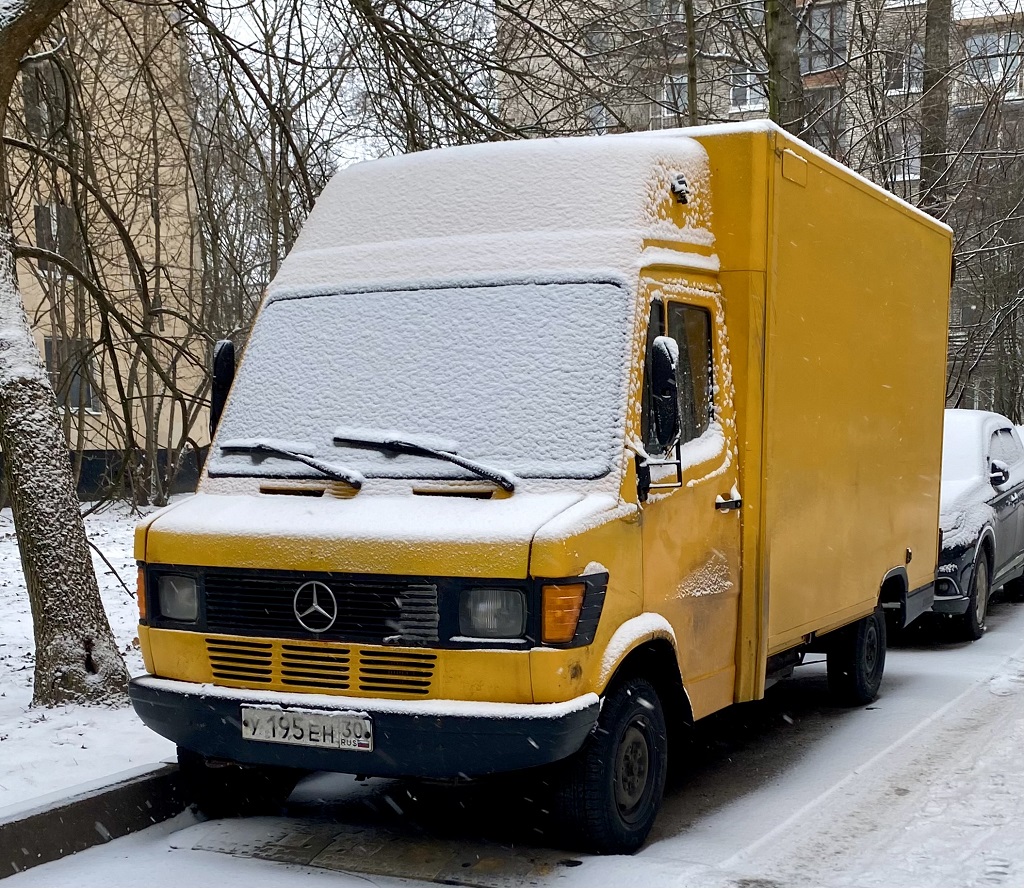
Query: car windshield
[[528, 378], [961, 450]]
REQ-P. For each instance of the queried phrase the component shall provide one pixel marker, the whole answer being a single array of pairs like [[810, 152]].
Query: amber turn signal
[[141, 594], [561, 611]]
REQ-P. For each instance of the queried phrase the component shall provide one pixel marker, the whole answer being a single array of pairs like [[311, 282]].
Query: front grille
[[371, 610], [240, 661], [315, 667], [322, 667], [396, 672]]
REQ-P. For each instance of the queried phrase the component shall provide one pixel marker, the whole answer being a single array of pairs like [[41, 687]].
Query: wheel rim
[[981, 591], [871, 648], [632, 768]]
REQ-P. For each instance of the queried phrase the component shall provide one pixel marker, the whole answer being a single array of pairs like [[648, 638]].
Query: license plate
[[333, 730]]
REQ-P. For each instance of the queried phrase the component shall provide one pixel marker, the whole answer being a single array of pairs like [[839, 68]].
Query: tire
[[856, 660], [232, 790], [609, 793], [972, 625]]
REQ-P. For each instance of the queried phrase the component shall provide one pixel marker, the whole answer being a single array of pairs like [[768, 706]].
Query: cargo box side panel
[[857, 304]]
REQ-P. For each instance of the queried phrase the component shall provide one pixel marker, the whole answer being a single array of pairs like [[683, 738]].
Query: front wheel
[[231, 790], [973, 621], [856, 660], [611, 790]]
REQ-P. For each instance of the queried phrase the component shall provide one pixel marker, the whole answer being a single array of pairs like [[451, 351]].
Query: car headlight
[[178, 598], [492, 613]]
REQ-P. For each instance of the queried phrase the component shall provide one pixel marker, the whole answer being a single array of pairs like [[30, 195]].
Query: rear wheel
[[232, 790], [856, 660], [610, 791], [973, 621]]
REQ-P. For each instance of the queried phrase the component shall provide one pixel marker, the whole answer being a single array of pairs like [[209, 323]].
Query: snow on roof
[[544, 206], [966, 421]]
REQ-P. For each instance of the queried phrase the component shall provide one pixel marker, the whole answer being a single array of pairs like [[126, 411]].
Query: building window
[[661, 11], [668, 105], [57, 231], [904, 72], [905, 161], [71, 374], [600, 119], [746, 92], [45, 97], [994, 59], [825, 122], [823, 38]]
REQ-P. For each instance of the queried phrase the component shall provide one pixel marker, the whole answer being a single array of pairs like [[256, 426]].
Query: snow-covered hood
[[963, 511], [400, 534]]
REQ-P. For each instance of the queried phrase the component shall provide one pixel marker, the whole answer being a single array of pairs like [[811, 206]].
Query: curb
[[56, 827]]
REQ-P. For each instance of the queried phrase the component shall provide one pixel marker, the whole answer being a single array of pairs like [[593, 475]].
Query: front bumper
[[955, 572], [412, 738]]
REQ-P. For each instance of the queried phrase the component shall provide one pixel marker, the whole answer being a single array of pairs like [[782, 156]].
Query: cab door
[[691, 516], [1006, 501]]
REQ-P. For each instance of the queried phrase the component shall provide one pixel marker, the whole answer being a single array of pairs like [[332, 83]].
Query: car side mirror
[[664, 390], [999, 473], [223, 376]]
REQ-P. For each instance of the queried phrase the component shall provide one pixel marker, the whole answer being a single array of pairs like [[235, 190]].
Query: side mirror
[[223, 376], [664, 390], [998, 473]]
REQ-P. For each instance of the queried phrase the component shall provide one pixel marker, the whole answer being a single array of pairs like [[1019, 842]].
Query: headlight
[[492, 613], [178, 599]]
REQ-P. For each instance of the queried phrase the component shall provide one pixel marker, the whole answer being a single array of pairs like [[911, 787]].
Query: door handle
[[727, 505]]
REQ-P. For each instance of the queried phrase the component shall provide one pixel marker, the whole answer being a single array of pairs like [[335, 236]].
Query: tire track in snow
[[933, 808]]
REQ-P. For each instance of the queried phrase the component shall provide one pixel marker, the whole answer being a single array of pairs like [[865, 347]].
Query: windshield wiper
[[395, 444], [336, 473]]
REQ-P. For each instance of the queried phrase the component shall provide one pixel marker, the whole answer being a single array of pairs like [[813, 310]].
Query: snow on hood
[[401, 534], [963, 511]]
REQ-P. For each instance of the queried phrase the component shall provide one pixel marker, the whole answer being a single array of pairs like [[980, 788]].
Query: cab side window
[[690, 327]]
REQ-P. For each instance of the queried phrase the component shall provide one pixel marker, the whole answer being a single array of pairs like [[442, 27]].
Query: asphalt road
[[923, 789]]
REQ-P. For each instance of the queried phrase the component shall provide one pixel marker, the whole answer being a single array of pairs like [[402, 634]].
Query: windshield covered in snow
[[527, 378], [962, 457]]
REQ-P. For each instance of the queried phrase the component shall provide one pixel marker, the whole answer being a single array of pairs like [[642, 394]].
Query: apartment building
[[107, 257]]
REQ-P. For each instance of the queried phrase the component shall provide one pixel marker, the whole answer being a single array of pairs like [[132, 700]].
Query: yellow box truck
[[541, 451]]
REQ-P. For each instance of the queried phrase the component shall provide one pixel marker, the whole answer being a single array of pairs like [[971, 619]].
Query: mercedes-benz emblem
[[315, 606]]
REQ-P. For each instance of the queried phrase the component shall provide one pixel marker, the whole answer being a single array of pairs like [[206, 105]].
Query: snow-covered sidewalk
[[43, 751]]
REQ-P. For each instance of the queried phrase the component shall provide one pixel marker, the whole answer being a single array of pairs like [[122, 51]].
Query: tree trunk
[[935, 103], [785, 83], [691, 63], [76, 657]]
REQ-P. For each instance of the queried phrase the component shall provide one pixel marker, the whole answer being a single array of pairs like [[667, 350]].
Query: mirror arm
[[643, 478]]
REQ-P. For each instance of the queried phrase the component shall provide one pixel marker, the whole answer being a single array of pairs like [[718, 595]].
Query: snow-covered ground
[[922, 789], [43, 751]]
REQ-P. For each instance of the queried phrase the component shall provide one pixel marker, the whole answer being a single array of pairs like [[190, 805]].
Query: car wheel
[[856, 660], [609, 793], [231, 790], [973, 621]]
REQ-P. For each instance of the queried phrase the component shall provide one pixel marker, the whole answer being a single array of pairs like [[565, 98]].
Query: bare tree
[[785, 81], [76, 658]]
